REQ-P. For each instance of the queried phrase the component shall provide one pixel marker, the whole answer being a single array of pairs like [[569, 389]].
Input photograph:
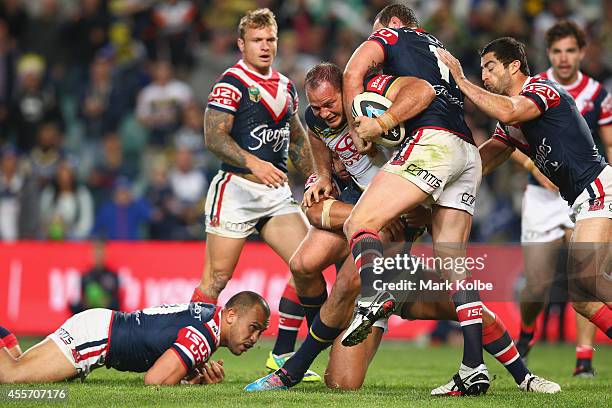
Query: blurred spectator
[[161, 103], [47, 154], [66, 207], [12, 182], [15, 15], [34, 102], [174, 20], [7, 78], [163, 204], [99, 285], [102, 102], [108, 167], [188, 186], [122, 217], [191, 136], [44, 35]]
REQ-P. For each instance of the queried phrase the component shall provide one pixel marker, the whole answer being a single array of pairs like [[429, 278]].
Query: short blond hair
[[259, 18]]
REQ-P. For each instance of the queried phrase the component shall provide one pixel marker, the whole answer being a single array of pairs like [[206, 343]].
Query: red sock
[[603, 319], [528, 329], [497, 342], [2, 344], [584, 352], [9, 341], [199, 296]]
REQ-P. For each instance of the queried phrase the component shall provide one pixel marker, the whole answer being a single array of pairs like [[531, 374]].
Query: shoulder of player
[[315, 124]]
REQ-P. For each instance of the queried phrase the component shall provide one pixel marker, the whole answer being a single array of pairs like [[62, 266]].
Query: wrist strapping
[[387, 121]]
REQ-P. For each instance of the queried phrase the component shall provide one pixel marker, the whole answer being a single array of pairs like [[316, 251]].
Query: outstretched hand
[[453, 64]]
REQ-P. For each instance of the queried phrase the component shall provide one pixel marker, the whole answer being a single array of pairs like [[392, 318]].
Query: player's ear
[[515, 66], [231, 316], [240, 44], [582, 52]]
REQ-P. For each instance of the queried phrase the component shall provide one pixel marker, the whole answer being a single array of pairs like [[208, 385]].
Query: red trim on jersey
[[600, 189], [461, 135], [270, 84], [535, 102], [580, 87], [263, 100], [218, 212], [406, 154], [110, 331], [180, 358]]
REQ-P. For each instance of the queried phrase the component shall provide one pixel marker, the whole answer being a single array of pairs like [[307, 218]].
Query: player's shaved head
[[322, 73], [404, 13], [246, 300], [507, 50]]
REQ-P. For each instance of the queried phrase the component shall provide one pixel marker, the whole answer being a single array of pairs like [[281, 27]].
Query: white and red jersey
[[262, 106], [592, 99]]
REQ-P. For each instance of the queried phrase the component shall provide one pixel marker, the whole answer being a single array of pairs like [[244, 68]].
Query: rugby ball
[[373, 105]]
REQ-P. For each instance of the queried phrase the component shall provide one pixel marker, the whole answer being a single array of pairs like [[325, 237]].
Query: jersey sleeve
[[192, 347], [501, 135], [385, 37], [542, 94], [605, 113], [295, 99], [379, 84], [226, 95]]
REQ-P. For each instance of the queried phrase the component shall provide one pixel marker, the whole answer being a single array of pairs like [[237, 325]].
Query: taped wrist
[[325, 218]]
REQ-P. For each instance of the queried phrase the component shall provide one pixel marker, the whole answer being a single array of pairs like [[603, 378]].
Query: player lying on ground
[[540, 118], [347, 366], [171, 343]]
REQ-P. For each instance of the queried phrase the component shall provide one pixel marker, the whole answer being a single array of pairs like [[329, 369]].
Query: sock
[[603, 319], [498, 343], [312, 305], [199, 296], [584, 356], [366, 246], [290, 319], [320, 336], [7, 339], [469, 313]]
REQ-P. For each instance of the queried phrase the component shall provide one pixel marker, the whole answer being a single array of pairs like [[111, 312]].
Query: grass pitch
[[401, 375]]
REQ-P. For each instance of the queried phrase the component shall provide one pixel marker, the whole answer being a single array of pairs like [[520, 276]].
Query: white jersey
[[361, 167]]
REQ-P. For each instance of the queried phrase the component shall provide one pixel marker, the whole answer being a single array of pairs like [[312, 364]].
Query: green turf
[[402, 374]]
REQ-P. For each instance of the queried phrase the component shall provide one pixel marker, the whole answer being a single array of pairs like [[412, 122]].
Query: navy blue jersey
[[262, 107], [138, 339], [558, 141], [593, 102], [411, 52]]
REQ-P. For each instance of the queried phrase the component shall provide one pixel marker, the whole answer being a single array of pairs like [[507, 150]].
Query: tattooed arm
[[367, 58], [300, 151], [217, 127]]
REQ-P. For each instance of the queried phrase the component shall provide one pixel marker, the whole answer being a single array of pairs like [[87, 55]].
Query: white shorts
[[442, 165], [234, 205], [544, 216], [596, 200], [84, 339]]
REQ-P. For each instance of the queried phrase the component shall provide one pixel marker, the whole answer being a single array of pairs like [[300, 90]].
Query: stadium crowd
[[101, 101]]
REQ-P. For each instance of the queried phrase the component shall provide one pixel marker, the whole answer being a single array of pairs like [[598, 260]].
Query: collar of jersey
[[246, 68], [550, 74]]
